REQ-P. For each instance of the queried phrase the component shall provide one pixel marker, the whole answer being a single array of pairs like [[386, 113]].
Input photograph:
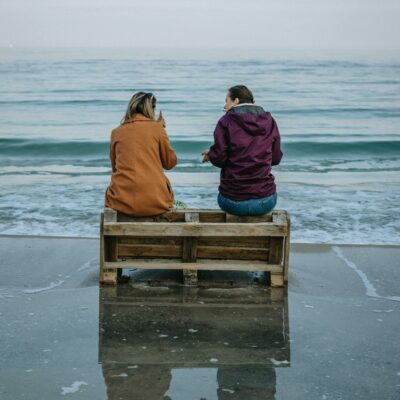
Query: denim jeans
[[259, 206]]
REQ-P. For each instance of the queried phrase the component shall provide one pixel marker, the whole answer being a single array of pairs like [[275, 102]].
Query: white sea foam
[[73, 388], [92, 263], [228, 390], [54, 168], [347, 214], [371, 180], [189, 179], [278, 363], [369, 287], [122, 375], [52, 285]]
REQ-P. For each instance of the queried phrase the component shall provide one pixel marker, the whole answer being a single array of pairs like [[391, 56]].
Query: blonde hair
[[141, 103]]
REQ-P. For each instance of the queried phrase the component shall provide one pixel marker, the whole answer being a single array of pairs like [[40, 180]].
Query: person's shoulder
[[116, 130], [155, 130], [224, 120]]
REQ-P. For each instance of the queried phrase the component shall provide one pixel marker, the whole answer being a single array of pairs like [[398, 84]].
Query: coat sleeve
[[112, 153], [167, 153], [218, 153], [276, 145]]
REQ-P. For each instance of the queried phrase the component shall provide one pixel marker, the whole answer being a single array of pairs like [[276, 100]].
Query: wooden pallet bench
[[193, 240]]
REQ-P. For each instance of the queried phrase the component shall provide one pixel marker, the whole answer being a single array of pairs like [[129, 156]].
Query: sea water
[[339, 120]]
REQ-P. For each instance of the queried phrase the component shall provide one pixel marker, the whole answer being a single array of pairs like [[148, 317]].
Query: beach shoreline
[[342, 299]]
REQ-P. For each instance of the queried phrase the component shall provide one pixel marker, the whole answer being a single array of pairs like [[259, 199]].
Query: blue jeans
[[259, 206]]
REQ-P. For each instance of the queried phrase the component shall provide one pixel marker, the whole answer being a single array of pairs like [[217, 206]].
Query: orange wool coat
[[139, 150]]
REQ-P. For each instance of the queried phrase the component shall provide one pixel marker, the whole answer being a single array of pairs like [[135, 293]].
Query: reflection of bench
[[192, 240], [147, 334]]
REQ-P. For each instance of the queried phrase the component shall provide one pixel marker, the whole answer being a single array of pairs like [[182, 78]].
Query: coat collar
[[136, 117]]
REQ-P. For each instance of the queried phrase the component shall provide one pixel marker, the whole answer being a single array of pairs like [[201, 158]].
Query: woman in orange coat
[[139, 150]]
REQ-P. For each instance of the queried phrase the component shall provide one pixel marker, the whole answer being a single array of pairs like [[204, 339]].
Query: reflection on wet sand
[[192, 343]]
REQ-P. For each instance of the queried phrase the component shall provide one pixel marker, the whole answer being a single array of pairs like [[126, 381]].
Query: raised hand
[[161, 119], [205, 156]]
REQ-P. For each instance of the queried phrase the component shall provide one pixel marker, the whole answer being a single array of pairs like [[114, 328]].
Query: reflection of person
[[146, 382], [250, 382], [149, 353], [152, 382], [246, 145], [139, 150]]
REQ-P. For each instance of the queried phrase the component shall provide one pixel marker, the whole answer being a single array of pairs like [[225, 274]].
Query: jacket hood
[[252, 118]]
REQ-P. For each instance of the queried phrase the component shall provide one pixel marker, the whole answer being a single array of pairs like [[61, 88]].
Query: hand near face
[[161, 119]]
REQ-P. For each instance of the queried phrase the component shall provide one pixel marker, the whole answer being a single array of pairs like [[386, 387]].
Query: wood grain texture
[[192, 240], [194, 229]]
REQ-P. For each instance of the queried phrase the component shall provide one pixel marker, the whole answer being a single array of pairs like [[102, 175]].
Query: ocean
[[339, 120]]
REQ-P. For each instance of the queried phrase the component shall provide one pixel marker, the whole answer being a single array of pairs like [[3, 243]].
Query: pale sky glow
[[266, 24]]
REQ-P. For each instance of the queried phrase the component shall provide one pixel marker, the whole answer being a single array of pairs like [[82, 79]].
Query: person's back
[[246, 146], [139, 150], [253, 148]]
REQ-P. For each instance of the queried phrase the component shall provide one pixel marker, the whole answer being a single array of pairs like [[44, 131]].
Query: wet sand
[[332, 334]]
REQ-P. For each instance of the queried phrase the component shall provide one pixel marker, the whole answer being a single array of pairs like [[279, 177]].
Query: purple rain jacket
[[246, 145]]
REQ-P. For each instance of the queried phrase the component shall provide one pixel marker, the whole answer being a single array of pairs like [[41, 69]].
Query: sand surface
[[332, 334]]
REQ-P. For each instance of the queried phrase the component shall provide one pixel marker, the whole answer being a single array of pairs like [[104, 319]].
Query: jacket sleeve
[[167, 153], [276, 145], [218, 153], [112, 153]]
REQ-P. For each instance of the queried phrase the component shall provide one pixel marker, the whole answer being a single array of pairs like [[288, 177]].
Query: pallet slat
[[212, 252], [241, 253], [225, 265], [149, 250], [189, 251], [194, 229], [257, 242]]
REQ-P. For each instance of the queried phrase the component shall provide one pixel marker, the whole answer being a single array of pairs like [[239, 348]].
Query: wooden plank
[[149, 250], [110, 215], [110, 274], [225, 265], [250, 242], [166, 217], [189, 251], [276, 250], [279, 217], [275, 255], [277, 280], [101, 255], [194, 229], [257, 242], [112, 249], [177, 215], [163, 240], [209, 216], [249, 218], [238, 253], [286, 253]]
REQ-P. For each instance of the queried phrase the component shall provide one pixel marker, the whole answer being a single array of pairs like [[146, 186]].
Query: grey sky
[[311, 24]]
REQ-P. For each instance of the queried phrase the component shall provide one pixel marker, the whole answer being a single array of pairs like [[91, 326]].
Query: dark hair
[[242, 93]]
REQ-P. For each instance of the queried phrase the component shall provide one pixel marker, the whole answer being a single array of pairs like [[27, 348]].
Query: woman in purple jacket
[[246, 145]]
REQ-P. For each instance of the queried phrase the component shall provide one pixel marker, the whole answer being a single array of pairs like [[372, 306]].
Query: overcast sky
[[267, 24]]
